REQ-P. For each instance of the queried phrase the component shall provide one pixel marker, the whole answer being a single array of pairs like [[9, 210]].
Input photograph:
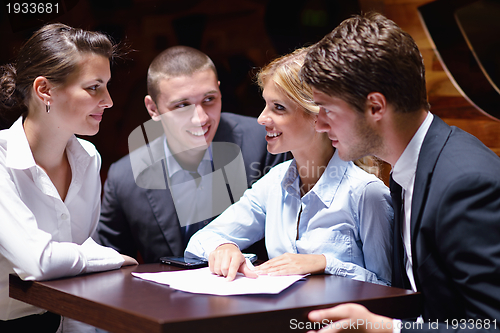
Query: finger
[[247, 271], [211, 262], [336, 313], [217, 264], [225, 261], [335, 327], [234, 268], [269, 265]]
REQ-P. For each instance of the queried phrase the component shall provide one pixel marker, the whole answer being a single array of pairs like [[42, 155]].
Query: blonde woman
[[318, 214]]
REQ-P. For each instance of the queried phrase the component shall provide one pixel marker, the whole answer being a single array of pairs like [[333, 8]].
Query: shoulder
[[276, 173], [359, 177], [366, 185], [88, 147], [464, 155]]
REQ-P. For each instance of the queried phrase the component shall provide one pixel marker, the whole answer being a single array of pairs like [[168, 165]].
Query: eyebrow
[[185, 99]]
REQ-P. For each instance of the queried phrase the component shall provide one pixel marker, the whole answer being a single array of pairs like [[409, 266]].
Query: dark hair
[[176, 61], [367, 54], [53, 52]]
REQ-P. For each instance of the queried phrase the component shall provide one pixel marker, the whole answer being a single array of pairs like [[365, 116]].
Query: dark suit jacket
[[455, 229], [134, 219]]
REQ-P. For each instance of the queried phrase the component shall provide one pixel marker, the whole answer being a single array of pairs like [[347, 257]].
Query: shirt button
[[64, 216]]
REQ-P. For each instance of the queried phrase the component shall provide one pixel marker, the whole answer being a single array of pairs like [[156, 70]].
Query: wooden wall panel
[[446, 101]]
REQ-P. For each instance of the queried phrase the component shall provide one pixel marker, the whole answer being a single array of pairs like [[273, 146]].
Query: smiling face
[[348, 129], [79, 104], [288, 126], [190, 108]]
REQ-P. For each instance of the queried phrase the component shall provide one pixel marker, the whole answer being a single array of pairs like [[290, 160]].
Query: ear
[[42, 86], [218, 82], [152, 109], [376, 105]]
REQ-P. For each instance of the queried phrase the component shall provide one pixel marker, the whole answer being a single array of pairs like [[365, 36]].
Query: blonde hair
[[284, 72]]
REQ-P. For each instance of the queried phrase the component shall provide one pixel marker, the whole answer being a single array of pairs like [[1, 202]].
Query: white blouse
[[41, 236]]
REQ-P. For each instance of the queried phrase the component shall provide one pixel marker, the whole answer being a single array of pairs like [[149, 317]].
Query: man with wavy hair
[[368, 77]]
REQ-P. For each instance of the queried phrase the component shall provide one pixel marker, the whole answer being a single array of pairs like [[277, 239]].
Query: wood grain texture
[[446, 101], [118, 302]]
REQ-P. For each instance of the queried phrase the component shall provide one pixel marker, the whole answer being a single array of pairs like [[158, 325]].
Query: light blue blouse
[[347, 216]]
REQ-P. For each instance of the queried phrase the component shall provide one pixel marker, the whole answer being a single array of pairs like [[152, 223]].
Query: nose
[[265, 118], [106, 101], [200, 117], [322, 122]]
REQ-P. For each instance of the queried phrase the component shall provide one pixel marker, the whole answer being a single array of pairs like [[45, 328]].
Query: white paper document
[[202, 281]]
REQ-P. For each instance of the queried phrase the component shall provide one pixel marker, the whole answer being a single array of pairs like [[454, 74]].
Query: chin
[[89, 132], [275, 151]]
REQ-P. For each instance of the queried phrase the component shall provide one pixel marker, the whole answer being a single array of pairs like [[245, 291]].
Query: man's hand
[[350, 317], [289, 263], [227, 260]]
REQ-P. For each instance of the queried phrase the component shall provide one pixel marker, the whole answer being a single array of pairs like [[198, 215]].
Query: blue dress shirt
[[347, 216]]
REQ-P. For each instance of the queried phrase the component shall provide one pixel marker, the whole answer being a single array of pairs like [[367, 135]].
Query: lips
[[334, 141], [199, 132], [97, 116]]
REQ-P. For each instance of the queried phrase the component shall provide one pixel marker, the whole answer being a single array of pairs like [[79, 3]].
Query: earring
[[47, 107]]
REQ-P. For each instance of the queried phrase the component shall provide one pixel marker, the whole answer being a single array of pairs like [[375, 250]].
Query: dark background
[[239, 35]]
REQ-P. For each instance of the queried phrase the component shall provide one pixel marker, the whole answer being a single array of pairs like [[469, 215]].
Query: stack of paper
[[202, 281]]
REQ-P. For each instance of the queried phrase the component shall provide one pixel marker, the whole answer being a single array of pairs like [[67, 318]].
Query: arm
[[376, 219], [241, 225], [467, 231], [293, 263], [467, 234], [375, 215], [33, 253]]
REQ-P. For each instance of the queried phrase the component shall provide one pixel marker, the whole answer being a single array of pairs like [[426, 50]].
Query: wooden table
[[118, 302]]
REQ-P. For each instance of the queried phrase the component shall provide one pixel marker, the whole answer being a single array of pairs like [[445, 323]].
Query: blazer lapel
[[227, 132], [160, 198], [433, 144]]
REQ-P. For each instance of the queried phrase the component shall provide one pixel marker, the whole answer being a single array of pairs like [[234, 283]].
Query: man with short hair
[[368, 77], [160, 194]]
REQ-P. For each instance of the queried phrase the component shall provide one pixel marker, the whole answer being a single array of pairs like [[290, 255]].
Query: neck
[[399, 133], [311, 163], [190, 159], [47, 143]]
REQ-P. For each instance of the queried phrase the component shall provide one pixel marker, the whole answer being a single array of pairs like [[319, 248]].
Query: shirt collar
[[19, 154], [404, 170], [173, 166], [327, 185]]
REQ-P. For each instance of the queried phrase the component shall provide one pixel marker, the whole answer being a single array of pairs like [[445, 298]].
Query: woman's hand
[[289, 263], [227, 260], [129, 261]]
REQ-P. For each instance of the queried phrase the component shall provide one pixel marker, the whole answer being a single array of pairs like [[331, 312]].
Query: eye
[[94, 87], [209, 99], [326, 110], [279, 107], [181, 105]]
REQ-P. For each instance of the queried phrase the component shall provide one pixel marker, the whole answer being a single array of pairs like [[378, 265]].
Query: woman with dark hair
[[49, 179]]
